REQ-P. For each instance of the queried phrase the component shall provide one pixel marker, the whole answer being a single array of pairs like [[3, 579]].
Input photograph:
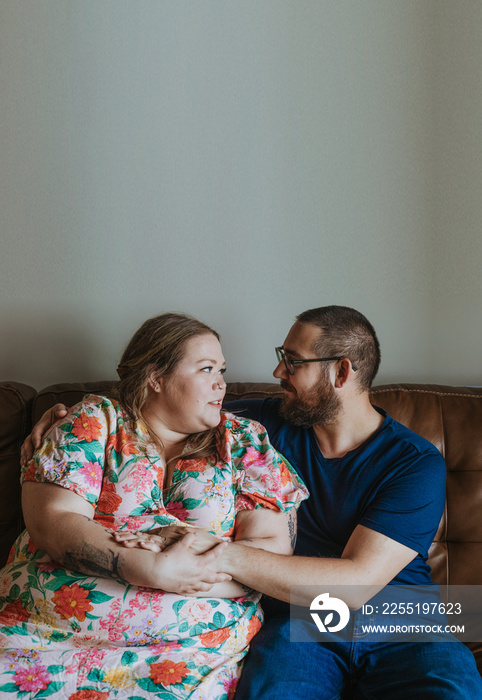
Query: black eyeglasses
[[290, 363]]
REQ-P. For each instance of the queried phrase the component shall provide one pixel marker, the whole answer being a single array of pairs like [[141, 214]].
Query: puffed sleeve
[[263, 478], [72, 454]]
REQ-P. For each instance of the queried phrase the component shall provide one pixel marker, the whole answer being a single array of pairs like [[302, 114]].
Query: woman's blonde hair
[[158, 347]]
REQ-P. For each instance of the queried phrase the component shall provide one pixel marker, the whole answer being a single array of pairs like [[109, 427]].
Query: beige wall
[[241, 161], [457, 247]]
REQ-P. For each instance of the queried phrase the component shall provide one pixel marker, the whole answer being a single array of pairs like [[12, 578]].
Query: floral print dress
[[70, 635]]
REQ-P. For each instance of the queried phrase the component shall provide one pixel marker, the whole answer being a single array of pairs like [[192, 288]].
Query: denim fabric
[[278, 669]]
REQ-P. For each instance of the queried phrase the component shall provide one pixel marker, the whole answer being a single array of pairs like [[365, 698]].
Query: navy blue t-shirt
[[393, 483]]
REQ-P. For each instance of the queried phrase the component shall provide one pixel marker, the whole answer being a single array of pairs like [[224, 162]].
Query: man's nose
[[280, 371]]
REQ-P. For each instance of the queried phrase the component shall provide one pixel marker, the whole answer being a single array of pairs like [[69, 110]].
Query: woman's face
[[189, 400]]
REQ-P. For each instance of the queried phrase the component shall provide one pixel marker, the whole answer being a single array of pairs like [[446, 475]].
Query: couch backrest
[[450, 417]]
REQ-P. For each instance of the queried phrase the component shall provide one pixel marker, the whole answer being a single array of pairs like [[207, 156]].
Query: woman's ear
[[154, 381]]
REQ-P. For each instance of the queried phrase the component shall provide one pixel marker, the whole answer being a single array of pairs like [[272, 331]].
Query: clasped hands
[[190, 557], [163, 537]]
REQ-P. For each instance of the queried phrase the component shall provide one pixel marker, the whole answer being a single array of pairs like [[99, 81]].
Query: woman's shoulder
[[93, 419], [102, 407], [96, 401], [238, 425]]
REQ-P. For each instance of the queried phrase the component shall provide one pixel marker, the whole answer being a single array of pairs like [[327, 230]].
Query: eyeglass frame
[[289, 363]]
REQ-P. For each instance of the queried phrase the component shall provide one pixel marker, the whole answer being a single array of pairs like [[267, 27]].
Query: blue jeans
[[278, 669]]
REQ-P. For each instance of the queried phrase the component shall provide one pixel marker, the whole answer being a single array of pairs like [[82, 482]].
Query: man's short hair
[[346, 332]]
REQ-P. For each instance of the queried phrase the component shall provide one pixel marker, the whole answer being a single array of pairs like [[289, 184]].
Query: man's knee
[[276, 668]]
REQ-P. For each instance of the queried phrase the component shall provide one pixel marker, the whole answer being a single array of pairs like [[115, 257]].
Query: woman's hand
[[163, 537], [153, 540], [33, 441]]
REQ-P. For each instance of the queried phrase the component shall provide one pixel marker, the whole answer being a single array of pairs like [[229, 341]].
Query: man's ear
[[343, 369]]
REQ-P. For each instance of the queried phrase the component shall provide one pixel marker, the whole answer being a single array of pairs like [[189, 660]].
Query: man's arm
[[369, 559]]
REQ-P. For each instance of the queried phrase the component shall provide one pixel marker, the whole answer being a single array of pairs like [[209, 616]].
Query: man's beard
[[320, 406]]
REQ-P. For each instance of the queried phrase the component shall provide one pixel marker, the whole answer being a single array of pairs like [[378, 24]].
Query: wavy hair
[[158, 346]]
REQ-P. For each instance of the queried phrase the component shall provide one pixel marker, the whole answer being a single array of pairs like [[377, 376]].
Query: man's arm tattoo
[[292, 527]]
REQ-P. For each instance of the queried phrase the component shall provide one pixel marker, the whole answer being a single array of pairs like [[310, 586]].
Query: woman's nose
[[219, 383]]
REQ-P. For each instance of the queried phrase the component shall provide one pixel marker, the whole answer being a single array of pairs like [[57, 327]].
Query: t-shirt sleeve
[[263, 478], [408, 508], [72, 454]]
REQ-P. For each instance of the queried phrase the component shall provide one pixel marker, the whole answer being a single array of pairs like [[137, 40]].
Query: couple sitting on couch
[[139, 576]]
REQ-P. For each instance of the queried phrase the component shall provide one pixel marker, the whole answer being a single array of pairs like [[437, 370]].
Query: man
[[377, 496]]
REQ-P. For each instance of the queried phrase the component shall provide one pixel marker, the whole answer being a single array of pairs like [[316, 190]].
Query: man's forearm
[[297, 580], [280, 575], [369, 561]]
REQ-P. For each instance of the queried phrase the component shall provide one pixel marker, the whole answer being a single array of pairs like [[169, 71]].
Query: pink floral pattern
[[68, 635]]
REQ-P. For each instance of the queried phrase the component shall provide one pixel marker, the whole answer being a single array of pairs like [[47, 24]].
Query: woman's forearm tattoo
[[94, 561], [292, 527]]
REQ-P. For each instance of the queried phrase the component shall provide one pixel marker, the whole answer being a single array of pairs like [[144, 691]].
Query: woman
[[85, 616]]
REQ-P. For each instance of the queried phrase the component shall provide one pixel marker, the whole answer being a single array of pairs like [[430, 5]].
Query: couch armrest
[[15, 410]]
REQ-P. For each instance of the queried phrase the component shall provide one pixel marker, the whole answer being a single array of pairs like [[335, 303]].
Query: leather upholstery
[[450, 417], [15, 411]]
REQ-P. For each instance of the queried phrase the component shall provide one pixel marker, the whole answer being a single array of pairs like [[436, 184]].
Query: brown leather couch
[[450, 417]]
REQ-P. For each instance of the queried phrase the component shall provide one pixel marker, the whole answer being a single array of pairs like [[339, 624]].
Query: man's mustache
[[286, 385]]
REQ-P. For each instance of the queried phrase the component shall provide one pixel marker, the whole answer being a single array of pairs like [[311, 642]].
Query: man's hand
[[187, 573], [34, 440]]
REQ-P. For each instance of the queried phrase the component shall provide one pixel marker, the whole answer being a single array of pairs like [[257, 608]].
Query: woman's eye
[[210, 369]]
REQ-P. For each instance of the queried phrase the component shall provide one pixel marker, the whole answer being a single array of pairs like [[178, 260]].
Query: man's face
[[309, 396]]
